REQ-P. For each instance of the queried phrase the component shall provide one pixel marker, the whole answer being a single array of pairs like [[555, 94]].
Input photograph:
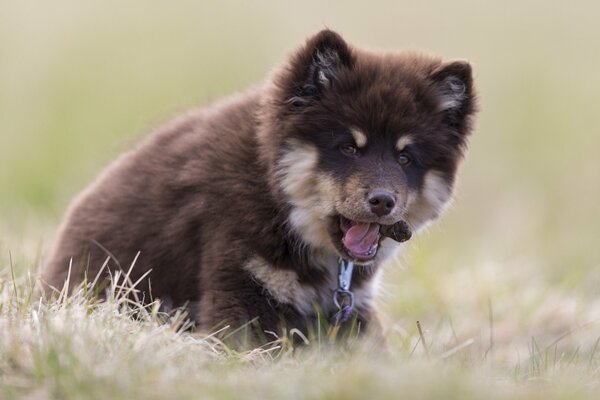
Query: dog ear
[[316, 67], [454, 86]]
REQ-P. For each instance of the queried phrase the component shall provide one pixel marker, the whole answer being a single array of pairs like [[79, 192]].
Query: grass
[[505, 286], [507, 338]]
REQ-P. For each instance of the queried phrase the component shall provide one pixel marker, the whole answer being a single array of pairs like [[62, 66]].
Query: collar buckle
[[343, 298]]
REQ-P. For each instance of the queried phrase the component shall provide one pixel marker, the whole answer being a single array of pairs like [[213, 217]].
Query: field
[[506, 286]]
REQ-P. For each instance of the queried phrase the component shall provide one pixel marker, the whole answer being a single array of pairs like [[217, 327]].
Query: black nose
[[381, 202]]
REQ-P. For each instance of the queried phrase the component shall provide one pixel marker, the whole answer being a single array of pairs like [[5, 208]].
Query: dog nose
[[381, 202]]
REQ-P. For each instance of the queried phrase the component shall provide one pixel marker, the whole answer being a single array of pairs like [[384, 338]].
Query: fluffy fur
[[240, 210]]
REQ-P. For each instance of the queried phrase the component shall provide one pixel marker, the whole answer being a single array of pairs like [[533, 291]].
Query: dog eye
[[349, 150], [404, 159]]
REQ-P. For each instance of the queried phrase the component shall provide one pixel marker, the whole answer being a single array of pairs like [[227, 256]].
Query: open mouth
[[360, 240]]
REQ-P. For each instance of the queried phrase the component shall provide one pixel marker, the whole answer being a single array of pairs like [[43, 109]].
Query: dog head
[[357, 141]]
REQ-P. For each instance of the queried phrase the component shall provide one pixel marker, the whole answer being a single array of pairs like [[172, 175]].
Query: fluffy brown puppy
[[241, 211]]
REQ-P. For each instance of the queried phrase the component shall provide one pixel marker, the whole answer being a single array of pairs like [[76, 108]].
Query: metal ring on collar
[[339, 294]]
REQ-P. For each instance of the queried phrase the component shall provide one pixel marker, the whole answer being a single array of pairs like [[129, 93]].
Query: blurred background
[[518, 255]]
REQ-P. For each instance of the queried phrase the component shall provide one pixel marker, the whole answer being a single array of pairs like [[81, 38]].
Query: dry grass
[[75, 347]]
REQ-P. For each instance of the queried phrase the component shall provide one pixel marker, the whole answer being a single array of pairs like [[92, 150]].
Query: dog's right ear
[[316, 66]]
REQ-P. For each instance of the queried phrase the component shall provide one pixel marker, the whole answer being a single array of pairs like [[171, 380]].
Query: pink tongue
[[361, 237]]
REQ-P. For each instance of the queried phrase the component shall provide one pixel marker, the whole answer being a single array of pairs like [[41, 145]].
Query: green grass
[[505, 286]]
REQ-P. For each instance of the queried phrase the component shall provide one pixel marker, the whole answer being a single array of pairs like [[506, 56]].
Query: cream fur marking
[[283, 285], [364, 296], [359, 137], [311, 194], [430, 202], [403, 142], [387, 248], [285, 288]]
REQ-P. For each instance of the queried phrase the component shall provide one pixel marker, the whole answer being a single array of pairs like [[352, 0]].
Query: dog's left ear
[[454, 86], [316, 67]]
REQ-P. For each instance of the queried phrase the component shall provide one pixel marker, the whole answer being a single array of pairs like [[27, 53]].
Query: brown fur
[[231, 206]]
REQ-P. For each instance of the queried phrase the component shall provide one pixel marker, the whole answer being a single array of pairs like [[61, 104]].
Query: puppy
[[278, 205]]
